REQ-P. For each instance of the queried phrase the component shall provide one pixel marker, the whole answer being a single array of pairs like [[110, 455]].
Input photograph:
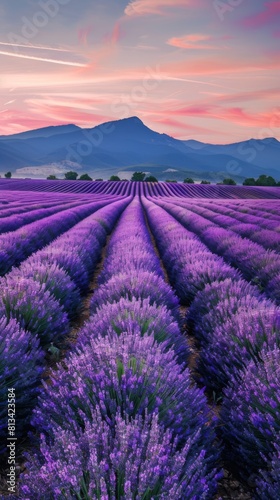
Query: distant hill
[[128, 145]]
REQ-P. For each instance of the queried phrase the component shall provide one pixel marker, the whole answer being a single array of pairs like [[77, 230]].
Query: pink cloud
[[115, 36], [254, 95], [224, 65], [15, 120], [194, 41], [170, 122], [270, 13], [235, 115], [151, 7], [68, 114], [84, 33]]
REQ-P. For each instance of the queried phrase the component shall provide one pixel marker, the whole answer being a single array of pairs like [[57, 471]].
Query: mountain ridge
[[128, 145]]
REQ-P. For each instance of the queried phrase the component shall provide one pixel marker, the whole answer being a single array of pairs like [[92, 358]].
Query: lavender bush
[[70, 261], [138, 316], [56, 281], [33, 307], [130, 374], [235, 342], [144, 285], [131, 258], [268, 484], [21, 365], [250, 414], [138, 460], [216, 304]]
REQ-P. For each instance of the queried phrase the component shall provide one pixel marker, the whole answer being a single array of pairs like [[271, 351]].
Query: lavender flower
[[268, 484], [250, 414], [56, 281], [144, 285], [137, 315], [138, 460], [235, 342], [33, 307], [21, 365], [129, 373]]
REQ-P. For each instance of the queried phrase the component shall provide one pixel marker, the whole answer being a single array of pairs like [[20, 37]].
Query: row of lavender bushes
[[269, 207], [25, 207], [257, 264], [16, 246], [37, 302], [253, 227], [15, 221], [239, 335], [123, 420]]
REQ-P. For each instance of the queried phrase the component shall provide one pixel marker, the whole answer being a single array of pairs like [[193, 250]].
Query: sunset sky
[[200, 69]]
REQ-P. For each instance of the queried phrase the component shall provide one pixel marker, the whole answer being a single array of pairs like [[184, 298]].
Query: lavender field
[[140, 332]]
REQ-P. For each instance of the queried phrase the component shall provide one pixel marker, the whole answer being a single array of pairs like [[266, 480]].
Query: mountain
[[126, 145]]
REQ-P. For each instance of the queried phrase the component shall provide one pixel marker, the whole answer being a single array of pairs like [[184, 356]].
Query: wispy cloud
[[235, 115], [148, 7], [44, 59], [84, 33], [9, 102], [223, 65], [194, 41]]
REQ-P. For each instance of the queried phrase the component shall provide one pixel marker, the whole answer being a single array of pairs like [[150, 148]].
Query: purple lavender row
[[218, 298], [18, 198], [37, 301], [254, 229], [270, 207], [61, 269], [14, 222], [270, 210], [22, 208], [150, 189], [243, 213], [16, 246], [132, 422], [257, 264], [43, 202], [239, 334], [130, 265]]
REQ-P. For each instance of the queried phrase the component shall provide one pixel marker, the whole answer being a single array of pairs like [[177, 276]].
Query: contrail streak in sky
[[44, 59], [33, 47]]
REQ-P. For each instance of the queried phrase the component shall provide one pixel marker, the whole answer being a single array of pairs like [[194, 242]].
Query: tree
[[229, 182], [250, 181], [188, 180], [98, 180], [151, 178], [85, 177], [265, 180], [71, 176], [170, 180], [8, 175], [205, 182], [114, 178], [52, 178], [138, 176]]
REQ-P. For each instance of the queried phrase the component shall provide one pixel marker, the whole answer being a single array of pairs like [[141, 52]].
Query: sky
[[195, 69]]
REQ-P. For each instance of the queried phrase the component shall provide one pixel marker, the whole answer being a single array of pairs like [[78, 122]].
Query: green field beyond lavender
[[139, 341]]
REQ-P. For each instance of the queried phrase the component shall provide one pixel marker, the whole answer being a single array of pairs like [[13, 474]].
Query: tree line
[[262, 180]]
